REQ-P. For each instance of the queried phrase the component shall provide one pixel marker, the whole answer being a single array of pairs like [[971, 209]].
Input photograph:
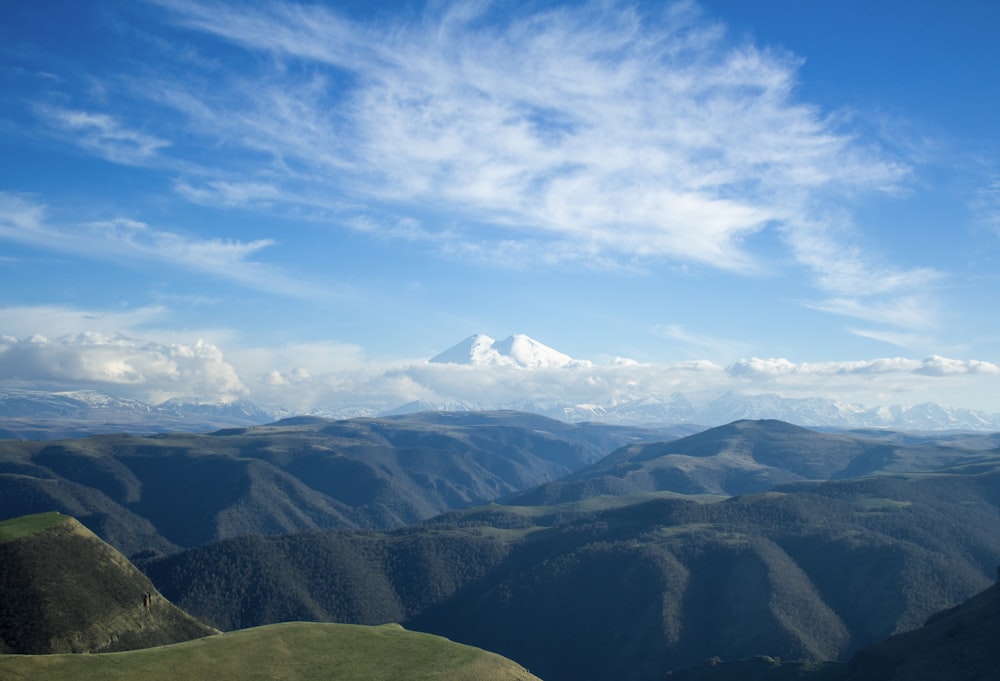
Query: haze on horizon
[[301, 203]]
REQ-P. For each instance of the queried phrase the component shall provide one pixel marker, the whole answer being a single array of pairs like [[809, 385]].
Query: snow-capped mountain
[[67, 404], [517, 373], [728, 407], [517, 350], [35, 414]]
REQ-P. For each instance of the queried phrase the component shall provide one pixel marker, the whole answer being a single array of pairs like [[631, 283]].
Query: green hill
[[814, 571], [749, 457], [62, 589], [282, 652]]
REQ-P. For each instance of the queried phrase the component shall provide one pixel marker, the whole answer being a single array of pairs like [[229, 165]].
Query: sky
[[299, 204]]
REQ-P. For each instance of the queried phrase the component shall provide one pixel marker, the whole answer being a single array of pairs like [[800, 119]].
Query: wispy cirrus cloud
[[860, 285], [23, 220], [593, 133], [629, 134], [227, 193], [103, 134], [986, 205]]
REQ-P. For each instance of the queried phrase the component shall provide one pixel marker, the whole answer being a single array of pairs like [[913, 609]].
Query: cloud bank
[[340, 379], [122, 366]]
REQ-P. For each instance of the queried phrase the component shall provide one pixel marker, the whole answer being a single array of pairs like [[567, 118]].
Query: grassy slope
[[62, 589], [283, 652], [16, 528]]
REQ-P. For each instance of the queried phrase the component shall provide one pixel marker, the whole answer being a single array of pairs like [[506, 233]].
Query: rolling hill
[[748, 457], [62, 589], [649, 584], [286, 652], [157, 493]]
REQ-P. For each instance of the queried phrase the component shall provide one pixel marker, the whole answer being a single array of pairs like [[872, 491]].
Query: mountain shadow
[[811, 571]]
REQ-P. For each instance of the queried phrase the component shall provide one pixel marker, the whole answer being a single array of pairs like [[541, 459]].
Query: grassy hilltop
[[294, 651], [64, 590]]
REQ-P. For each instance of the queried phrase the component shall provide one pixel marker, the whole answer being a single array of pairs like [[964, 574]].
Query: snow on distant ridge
[[516, 350]]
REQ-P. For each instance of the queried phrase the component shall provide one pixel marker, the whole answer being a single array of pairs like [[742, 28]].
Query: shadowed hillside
[[958, 644], [581, 591], [154, 494], [748, 457], [64, 590]]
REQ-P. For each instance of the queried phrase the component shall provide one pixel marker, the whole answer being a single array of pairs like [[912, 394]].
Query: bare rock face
[[64, 590]]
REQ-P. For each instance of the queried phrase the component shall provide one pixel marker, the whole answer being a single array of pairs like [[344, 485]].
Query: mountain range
[[586, 591], [62, 588], [581, 551], [157, 493], [38, 415], [28, 414], [64, 591]]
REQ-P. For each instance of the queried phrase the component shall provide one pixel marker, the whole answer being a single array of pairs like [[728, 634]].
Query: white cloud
[[944, 366], [594, 134], [860, 287], [221, 193], [103, 135], [986, 206], [146, 370], [627, 134], [777, 368], [123, 352], [123, 240]]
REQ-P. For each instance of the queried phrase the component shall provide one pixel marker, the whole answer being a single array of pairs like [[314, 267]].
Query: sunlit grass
[[294, 651], [29, 524]]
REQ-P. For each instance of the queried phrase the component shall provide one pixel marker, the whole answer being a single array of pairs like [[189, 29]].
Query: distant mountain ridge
[[753, 456], [156, 493], [40, 415], [28, 414]]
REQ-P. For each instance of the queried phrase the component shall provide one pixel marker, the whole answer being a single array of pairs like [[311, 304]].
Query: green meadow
[[295, 651]]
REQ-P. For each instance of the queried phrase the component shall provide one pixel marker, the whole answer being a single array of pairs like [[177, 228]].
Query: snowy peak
[[477, 350], [528, 352], [517, 350]]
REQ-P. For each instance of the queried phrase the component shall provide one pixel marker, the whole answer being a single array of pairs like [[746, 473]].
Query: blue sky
[[301, 203]]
